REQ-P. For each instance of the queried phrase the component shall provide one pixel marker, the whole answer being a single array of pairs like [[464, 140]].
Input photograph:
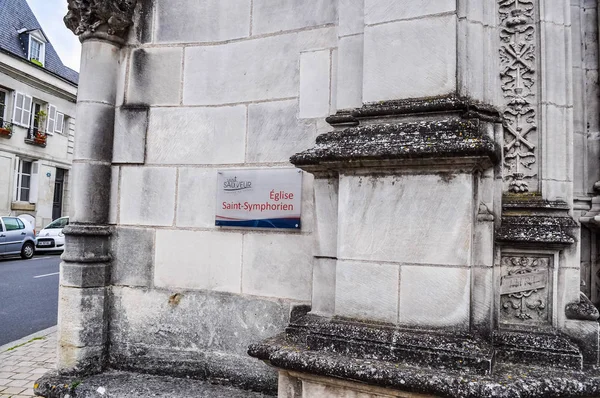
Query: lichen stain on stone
[[446, 177], [174, 299]]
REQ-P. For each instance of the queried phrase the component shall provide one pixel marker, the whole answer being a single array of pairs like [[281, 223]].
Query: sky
[[50, 14]]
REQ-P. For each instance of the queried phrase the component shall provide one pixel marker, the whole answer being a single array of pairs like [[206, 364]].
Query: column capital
[[103, 19]]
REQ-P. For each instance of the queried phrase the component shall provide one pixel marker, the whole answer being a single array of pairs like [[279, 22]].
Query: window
[[2, 107], [35, 122], [52, 125], [13, 223], [22, 112], [36, 50], [60, 122], [24, 172], [59, 223]]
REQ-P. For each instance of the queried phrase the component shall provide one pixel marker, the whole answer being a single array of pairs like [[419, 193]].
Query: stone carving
[[90, 16], [524, 289], [517, 59]]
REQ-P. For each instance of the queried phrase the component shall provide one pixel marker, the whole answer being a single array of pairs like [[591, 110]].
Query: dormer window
[[36, 51]]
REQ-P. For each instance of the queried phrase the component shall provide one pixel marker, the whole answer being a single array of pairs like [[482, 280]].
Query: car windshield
[[58, 223]]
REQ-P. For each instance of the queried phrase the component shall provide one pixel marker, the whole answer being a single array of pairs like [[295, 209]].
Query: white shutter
[[16, 180], [18, 110], [33, 185], [27, 102], [51, 119], [60, 121]]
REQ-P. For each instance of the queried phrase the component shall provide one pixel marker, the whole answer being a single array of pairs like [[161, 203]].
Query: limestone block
[[307, 217], [193, 321], [147, 195], [132, 251], [483, 244], [120, 83], [315, 67], [113, 210], [155, 76], [270, 16], [482, 299], [270, 68], [378, 11], [555, 156], [568, 289], [351, 17], [286, 259], [350, 72], [323, 292], [196, 197], [81, 316], [426, 49], [367, 291], [395, 218], [556, 84], [84, 275], [436, 297], [472, 59], [275, 133], [205, 21], [86, 196], [555, 11], [196, 135], [94, 124], [326, 217], [130, 129], [288, 386], [99, 61], [586, 334], [590, 21], [474, 11], [198, 260]]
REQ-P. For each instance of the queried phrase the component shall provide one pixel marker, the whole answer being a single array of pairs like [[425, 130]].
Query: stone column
[[85, 270]]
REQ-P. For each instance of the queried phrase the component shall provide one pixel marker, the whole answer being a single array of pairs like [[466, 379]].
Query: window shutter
[[27, 102], [33, 185], [16, 180], [51, 119], [60, 121], [18, 111]]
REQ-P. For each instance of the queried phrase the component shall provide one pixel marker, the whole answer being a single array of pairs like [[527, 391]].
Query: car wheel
[[27, 250]]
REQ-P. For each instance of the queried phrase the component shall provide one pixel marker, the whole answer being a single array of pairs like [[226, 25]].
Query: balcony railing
[[36, 137], [6, 129]]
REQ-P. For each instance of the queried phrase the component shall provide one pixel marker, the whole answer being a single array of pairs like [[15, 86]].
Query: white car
[[51, 238]]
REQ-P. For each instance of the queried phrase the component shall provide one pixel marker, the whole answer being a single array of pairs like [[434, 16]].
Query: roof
[[15, 16]]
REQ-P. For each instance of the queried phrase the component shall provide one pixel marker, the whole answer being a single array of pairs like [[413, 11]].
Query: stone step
[[546, 350]]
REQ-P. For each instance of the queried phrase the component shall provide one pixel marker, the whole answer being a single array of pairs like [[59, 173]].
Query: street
[[28, 295]]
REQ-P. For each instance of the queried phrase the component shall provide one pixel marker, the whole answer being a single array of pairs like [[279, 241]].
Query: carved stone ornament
[[524, 290], [107, 19], [518, 79]]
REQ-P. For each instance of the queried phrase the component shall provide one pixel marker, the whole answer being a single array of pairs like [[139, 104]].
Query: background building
[[37, 109]]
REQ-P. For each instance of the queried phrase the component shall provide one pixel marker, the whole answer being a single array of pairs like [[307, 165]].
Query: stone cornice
[[101, 19]]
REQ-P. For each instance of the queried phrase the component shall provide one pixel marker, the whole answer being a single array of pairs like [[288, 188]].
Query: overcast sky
[[50, 13]]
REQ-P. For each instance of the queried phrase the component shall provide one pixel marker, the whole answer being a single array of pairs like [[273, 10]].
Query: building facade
[[449, 213], [37, 116]]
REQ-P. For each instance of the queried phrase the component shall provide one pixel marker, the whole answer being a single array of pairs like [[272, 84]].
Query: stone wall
[[216, 85]]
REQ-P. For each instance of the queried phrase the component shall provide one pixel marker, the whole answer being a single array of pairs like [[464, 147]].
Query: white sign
[[259, 198]]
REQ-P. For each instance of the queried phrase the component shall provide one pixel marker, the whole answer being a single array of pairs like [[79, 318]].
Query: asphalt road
[[28, 295]]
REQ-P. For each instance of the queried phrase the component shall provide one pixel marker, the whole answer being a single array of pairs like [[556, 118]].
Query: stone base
[[425, 362]]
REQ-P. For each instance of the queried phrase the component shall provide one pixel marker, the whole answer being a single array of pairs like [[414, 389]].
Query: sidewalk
[[24, 361]]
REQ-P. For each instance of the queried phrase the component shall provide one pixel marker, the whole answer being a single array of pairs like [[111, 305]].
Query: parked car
[[17, 237], [51, 238]]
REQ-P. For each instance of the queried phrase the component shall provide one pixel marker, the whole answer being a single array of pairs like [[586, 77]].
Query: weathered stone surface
[[290, 270], [196, 197], [536, 229], [196, 135], [96, 122], [190, 21], [134, 385], [87, 197], [202, 334], [147, 195], [78, 310], [367, 291], [132, 252], [155, 76], [223, 79], [404, 200], [416, 45], [315, 83], [130, 129], [351, 18], [350, 72], [84, 275], [277, 15], [583, 310], [217, 265], [379, 11], [446, 306], [100, 58], [102, 19], [323, 286], [275, 132]]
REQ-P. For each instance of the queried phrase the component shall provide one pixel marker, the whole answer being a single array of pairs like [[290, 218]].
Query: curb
[[41, 333]]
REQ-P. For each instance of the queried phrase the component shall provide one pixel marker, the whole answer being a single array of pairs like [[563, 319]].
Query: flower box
[[5, 132]]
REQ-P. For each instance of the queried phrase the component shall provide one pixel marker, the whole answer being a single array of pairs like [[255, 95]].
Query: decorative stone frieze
[[518, 79], [105, 19]]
